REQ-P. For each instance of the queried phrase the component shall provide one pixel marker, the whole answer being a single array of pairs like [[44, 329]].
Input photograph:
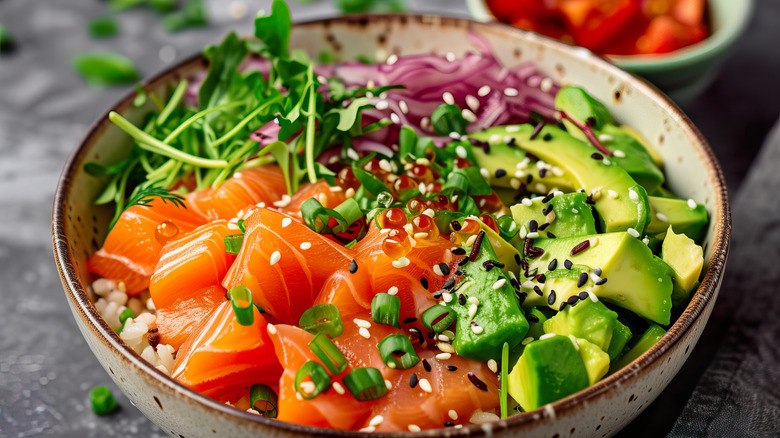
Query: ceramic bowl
[[603, 409], [686, 72]]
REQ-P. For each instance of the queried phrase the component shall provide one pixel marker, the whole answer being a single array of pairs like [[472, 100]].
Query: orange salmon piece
[[284, 264], [222, 356], [179, 319], [351, 293], [131, 250], [193, 262]]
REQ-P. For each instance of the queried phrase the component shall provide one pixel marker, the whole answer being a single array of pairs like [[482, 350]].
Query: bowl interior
[[79, 226]]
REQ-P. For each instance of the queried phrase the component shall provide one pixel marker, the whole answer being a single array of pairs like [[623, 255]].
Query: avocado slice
[[498, 317], [678, 213], [577, 103], [620, 337], [536, 321], [619, 200], [632, 156], [657, 158], [637, 280], [588, 320], [686, 259], [505, 252], [548, 370], [573, 215], [510, 167], [596, 361], [650, 337]]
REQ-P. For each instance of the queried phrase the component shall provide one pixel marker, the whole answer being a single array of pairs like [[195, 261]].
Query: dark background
[[729, 386]]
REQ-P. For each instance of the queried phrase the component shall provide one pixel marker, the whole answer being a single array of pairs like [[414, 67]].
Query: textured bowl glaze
[[683, 73], [601, 410]]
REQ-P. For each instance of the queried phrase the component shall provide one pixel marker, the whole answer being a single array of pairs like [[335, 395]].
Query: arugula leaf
[[224, 62], [349, 115], [370, 183], [274, 29], [471, 179], [105, 68], [193, 14]]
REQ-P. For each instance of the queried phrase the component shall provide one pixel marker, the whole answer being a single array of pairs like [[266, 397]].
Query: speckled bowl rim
[[720, 247]]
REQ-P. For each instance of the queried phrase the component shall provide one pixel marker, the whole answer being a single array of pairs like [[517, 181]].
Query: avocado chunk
[[678, 213], [651, 336], [620, 337], [505, 252], [536, 321], [510, 167], [686, 259], [570, 216], [657, 158], [620, 202], [596, 361], [548, 370], [629, 154], [588, 320], [637, 280], [578, 104], [493, 316]]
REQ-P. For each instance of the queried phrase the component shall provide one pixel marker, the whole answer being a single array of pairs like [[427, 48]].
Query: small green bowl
[[686, 72]]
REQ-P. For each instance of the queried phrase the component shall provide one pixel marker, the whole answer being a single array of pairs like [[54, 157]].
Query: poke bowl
[[598, 409]]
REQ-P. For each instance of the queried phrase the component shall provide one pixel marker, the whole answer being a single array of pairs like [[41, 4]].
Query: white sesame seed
[[233, 225], [633, 195], [350, 192], [368, 429], [335, 189], [437, 270], [414, 428], [528, 284], [472, 102], [425, 122], [388, 385], [691, 203], [492, 365], [393, 290], [662, 217], [519, 174], [483, 91], [606, 162], [425, 385], [515, 183], [593, 241], [275, 257], [495, 139], [449, 56], [593, 297], [404, 107], [305, 245], [511, 92], [606, 137], [646, 241], [338, 388], [443, 356], [595, 278], [394, 118], [376, 421], [448, 98], [429, 212], [469, 115], [298, 396], [362, 323], [364, 332], [527, 202], [286, 222], [447, 297], [392, 59], [401, 263], [477, 329], [523, 232], [485, 173], [527, 341], [445, 347], [382, 105], [474, 301], [574, 210], [420, 235], [633, 232], [444, 338], [271, 329], [470, 240], [612, 194], [618, 153], [352, 154], [461, 152], [541, 188], [546, 84], [308, 387], [472, 311], [499, 284], [532, 235], [546, 336]]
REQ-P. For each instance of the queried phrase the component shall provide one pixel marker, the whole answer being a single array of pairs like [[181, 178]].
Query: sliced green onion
[[318, 376], [242, 225], [398, 345], [438, 318], [241, 297], [316, 217], [504, 378], [328, 353], [233, 243], [322, 318], [507, 227], [125, 315], [385, 309], [350, 211], [365, 384], [102, 401], [264, 400]]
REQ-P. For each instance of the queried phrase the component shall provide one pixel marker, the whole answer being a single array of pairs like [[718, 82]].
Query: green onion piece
[[365, 384], [163, 6], [448, 118], [241, 297], [242, 225], [328, 353], [318, 376], [125, 315], [103, 27], [105, 68], [385, 309], [438, 318], [316, 217], [102, 401], [233, 243], [398, 345], [322, 318], [504, 378], [351, 244], [264, 400], [507, 227], [350, 211]]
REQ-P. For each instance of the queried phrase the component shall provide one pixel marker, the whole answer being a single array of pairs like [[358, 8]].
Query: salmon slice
[[329, 409], [284, 264], [191, 263], [321, 191], [131, 249], [351, 293], [179, 319], [222, 356], [245, 189]]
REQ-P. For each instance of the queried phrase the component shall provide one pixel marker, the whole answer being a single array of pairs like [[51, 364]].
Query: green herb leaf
[[163, 6], [370, 183], [468, 181], [224, 62], [194, 14], [103, 27], [140, 96], [121, 5], [105, 68], [349, 115], [274, 29], [448, 118]]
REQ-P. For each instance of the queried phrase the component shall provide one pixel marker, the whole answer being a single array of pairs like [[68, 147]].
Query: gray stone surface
[[46, 368]]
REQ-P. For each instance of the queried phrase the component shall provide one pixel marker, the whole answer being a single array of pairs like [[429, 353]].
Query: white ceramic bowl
[[600, 410]]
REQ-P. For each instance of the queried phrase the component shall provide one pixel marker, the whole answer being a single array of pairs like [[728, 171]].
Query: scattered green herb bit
[[125, 315], [328, 353], [121, 5], [365, 59], [241, 298], [233, 243], [365, 384], [163, 6], [354, 6], [326, 57], [322, 318], [318, 376], [274, 29], [105, 68], [447, 118], [102, 401], [6, 40], [194, 14], [140, 96], [504, 378], [386, 309], [264, 400], [241, 225], [144, 194], [103, 27], [393, 346]]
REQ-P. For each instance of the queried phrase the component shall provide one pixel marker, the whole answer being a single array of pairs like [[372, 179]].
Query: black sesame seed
[[514, 283], [537, 130], [521, 296], [551, 235], [448, 424], [551, 298], [542, 172], [512, 141], [410, 320], [461, 299], [547, 198], [572, 300], [532, 273], [429, 335], [532, 318], [517, 258], [567, 264], [541, 278], [424, 283], [458, 272], [413, 381], [533, 225], [597, 271], [590, 121], [552, 265], [589, 200], [583, 295], [500, 173], [426, 365], [547, 137], [531, 157], [529, 178], [449, 284], [452, 368], [463, 261], [582, 280], [600, 282], [597, 156], [563, 306], [538, 290], [456, 226], [353, 266], [444, 268], [490, 264], [458, 251], [478, 383], [437, 294], [544, 226], [547, 209]]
